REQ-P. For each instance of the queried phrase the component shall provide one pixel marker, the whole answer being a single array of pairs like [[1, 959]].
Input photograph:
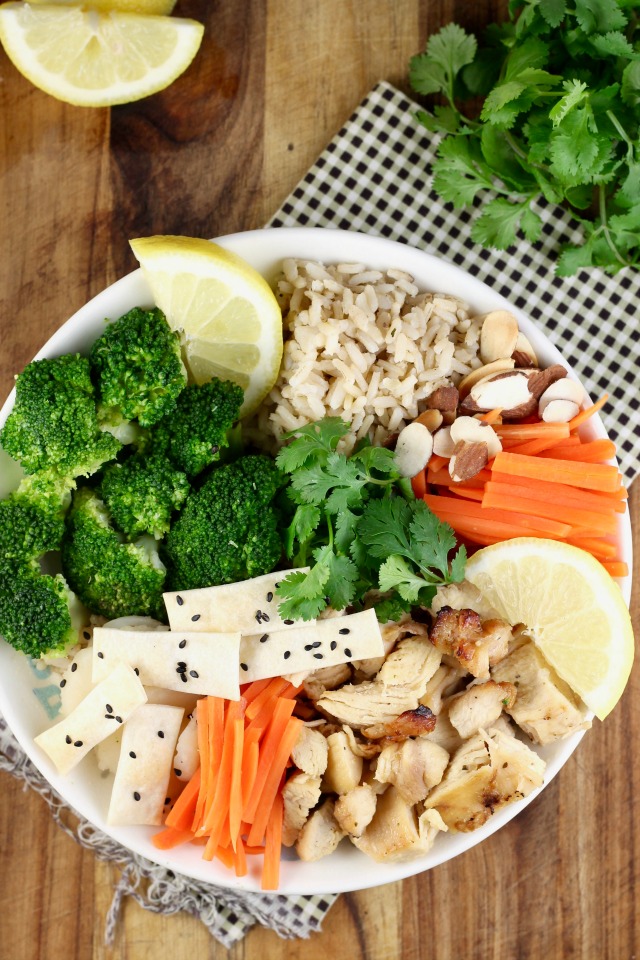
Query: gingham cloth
[[374, 177]]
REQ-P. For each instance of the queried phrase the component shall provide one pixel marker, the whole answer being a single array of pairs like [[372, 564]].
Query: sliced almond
[[507, 391], [480, 373], [468, 460], [498, 336], [431, 419], [563, 389], [524, 355], [442, 443], [560, 411], [475, 431], [413, 449], [443, 398]]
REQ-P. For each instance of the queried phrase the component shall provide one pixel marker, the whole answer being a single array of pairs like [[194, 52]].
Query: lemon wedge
[[95, 59], [158, 8], [226, 312], [572, 608]]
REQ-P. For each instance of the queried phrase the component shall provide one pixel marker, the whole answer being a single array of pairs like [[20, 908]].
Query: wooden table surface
[[215, 153]]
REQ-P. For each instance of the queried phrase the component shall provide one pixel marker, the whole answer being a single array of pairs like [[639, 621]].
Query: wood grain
[[218, 152]]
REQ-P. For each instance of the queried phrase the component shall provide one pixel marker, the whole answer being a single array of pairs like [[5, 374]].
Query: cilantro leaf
[[442, 120], [384, 527], [303, 594], [305, 521], [391, 608], [396, 574], [612, 44], [313, 442], [498, 223], [460, 172], [343, 575], [525, 58], [599, 16], [432, 540], [630, 86], [447, 52], [531, 225], [553, 11], [576, 93]]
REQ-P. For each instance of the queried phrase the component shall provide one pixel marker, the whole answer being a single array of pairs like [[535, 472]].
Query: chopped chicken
[[390, 633], [329, 678], [411, 723], [480, 706], [354, 810], [368, 777], [320, 835], [476, 645], [300, 794], [413, 663], [367, 703], [545, 707], [445, 734], [504, 725], [362, 748], [443, 683], [485, 773], [344, 767], [395, 832], [413, 767], [459, 596], [310, 752]]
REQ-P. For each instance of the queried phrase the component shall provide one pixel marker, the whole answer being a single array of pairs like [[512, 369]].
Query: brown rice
[[365, 345]]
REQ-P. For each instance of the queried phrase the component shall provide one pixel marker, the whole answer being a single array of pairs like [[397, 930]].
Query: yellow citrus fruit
[[226, 312], [95, 59], [158, 8], [572, 608]]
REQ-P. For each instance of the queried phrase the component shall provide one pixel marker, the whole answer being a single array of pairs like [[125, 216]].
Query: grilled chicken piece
[[329, 678], [443, 683], [344, 767], [320, 835], [367, 749], [486, 772], [310, 752], [475, 644], [395, 832], [545, 708], [367, 703], [413, 767], [354, 811], [459, 596], [411, 723], [480, 706], [390, 632], [445, 734], [413, 663], [300, 794]]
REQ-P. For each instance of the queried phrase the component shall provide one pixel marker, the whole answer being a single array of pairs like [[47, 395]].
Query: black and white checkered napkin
[[374, 177]]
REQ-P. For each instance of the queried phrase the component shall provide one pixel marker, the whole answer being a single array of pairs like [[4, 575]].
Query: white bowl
[[26, 690]]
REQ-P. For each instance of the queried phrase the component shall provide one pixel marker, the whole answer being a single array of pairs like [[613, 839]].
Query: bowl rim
[[260, 247]]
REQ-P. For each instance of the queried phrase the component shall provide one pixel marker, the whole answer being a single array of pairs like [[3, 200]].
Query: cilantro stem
[[624, 136], [605, 228]]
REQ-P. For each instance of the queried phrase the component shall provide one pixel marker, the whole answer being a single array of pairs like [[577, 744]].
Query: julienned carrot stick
[[202, 707], [437, 463], [170, 837], [250, 691], [218, 800], [250, 762], [274, 689], [560, 492], [584, 415], [575, 516], [593, 476], [273, 779], [532, 431], [596, 451], [491, 416], [281, 714], [273, 846], [235, 790], [466, 516], [419, 484], [536, 446], [597, 547], [467, 492], [616, 568], [181, 814]]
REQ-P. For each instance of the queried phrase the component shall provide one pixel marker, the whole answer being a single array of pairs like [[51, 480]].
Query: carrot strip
[[235, 789], [250, 759], [598, 548], [616, 568], [532, 431], [270, 748], [492, 416], [563, 513], [218, 800], [226, 856], [468, 516], [468, 493], [536, 446], [436, 462], [560, 492], [595, 451], [419, 484], [181, 814], [273, 846], [205, 765], [273, 779], [240, 860], [250, 691], [215, 740], [270, 692], [171, 837], [593, 476], [584, 415]]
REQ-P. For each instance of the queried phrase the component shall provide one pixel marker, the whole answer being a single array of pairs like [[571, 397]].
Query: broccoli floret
[[111, 577], [38, 613], [32, 519], [195, 433], [54, 424], [138, 368], [142, 494], [228, 529]]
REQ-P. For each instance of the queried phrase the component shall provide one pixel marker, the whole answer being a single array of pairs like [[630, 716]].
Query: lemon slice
[[94, 59], [226, 312], [158, 8], [572, 608]]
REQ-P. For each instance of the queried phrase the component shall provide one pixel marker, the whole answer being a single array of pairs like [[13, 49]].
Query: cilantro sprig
[[356, 524], [560, 119]]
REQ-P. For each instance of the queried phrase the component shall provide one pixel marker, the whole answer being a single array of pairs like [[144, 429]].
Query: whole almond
[[498, 336], [480, 373], [468, 460]]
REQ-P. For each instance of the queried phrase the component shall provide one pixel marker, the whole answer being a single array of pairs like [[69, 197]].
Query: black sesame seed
[[288, 622], [287, 654], [74, 667], [167, 800], [118, 719], [269, 597], [177, 772], [182, 644], [109, 716], [194, 674], [308, 646], [265, 618], [161, 734], [77, 743], [318, 643], [100, 655], [333, 644], [195, 617], [243, 666], [264, 638], [277, 584], [67, 739], [86, 635], [344, 630], [184, 678], [108, 708], [347, 652], [136, 671], [63, 683], [179, 601], [259, 616], [132, 754], [136, 795], [319, 656]]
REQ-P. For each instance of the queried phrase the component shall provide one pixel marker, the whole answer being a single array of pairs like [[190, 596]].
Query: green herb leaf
[[599, 16], [612, 44], [498, 223], [396, 574], [447, 52], [343, 575], [576, 93], [630, 86], [303, 593], [313, 442], [553, 11], [305, 522], [391, 608], [460, 172]]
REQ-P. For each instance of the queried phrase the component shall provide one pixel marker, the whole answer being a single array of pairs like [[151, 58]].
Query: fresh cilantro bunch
[[560, 113], [356, 523]]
